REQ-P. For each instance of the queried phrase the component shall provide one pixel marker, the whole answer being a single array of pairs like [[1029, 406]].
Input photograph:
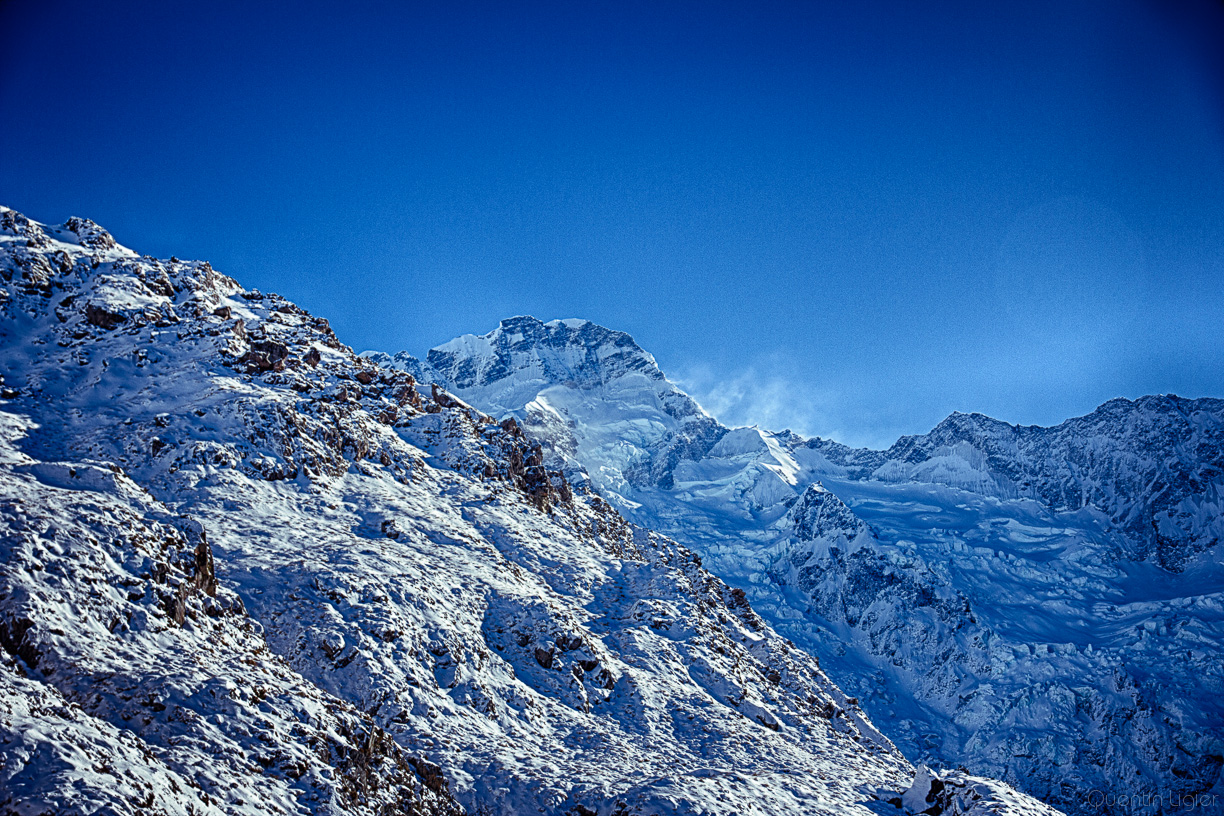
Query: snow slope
[[245, 570], [1039, 604]]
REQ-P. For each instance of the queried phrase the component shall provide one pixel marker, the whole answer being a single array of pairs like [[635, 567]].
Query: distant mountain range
[[245, 571], [1044, 605]]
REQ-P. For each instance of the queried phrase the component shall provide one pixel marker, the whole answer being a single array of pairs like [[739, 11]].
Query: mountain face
[[608, 413], [243, 570], [603, 404], [1039, 604]]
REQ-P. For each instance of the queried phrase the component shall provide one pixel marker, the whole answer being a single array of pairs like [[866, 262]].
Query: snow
[[239, 577], [1040, 605]]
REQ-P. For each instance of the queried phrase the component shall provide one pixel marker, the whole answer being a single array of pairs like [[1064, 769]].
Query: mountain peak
[[531, 323], [524, 355]]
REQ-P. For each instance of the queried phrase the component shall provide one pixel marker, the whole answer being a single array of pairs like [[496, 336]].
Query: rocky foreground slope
[[243, 570], [1045, 605]]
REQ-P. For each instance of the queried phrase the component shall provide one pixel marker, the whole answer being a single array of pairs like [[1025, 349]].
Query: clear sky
[[849, 218]]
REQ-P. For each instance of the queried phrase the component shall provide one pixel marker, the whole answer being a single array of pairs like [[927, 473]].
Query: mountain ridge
[[1112, 518], [445, 364], [247, 571]]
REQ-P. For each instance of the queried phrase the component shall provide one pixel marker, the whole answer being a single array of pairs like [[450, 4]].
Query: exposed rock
[[265, 355], [90, 234]]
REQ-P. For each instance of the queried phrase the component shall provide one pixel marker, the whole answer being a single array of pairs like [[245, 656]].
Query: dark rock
[[17, 224], [820, 514], [63, 309], [15, 639], [89, 233], [431, 775], [265, 355], [102, 318], [569, 643]]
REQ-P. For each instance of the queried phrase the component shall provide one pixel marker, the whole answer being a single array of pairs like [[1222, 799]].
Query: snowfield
[[243, 570]]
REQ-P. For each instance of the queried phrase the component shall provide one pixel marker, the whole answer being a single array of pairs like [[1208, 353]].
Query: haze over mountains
[[1039, 604], [244, 570]]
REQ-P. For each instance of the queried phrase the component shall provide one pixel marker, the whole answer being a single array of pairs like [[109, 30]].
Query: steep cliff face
[[1041, 604], [245, 570], [836, 561]]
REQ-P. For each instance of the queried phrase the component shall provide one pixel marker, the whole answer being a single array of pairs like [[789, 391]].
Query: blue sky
[[846, 218]]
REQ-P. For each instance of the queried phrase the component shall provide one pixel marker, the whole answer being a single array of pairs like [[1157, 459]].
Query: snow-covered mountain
[[606, 410], [1039, 604], [1153, 466], [243, 570]]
